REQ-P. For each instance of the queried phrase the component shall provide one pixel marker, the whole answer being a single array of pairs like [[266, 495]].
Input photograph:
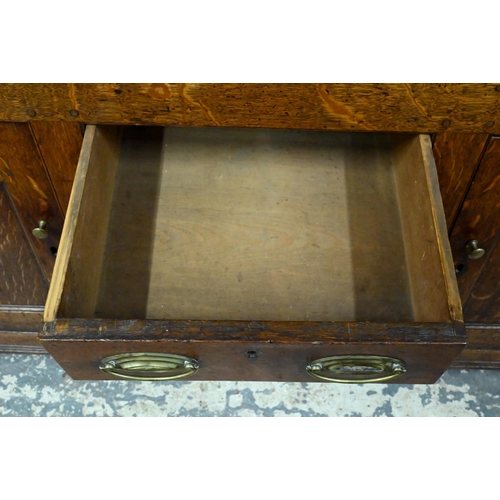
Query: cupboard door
[[457, 157], [23, 170], [483, 304], [23, 287], [60, 144], [475, 241], [33, 161]]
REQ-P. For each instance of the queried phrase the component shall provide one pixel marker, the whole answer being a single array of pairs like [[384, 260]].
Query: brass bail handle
[[40, 232], [356, 369], [473, 249], [149, 366]]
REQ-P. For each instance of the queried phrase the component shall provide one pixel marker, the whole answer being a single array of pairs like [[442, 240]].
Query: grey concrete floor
[[35, 385]]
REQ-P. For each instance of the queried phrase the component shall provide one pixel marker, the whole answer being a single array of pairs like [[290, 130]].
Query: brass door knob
[[473, 250], [41, 231]]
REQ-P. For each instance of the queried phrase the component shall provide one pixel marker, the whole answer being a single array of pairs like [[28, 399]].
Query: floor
[[35, 385]]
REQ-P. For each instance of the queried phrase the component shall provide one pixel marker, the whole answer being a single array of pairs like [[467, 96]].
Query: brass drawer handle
[[473, 250], [356, 369], [149, 366]]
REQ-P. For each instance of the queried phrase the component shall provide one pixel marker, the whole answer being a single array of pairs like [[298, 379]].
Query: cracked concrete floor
[[32, 385]]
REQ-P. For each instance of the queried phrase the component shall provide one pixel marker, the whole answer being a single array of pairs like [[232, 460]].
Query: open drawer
[[254, 254]]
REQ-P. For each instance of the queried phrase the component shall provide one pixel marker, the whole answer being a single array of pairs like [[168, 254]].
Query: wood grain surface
[[268, 225], [282, 349], [357, 107], [75, 285], [20, 318], [479, 219], [23, 171], [23, 288], [457, 157], [483, 347], [483, 304], [60, 144], [430, 264], [21, 279], [19, 328]]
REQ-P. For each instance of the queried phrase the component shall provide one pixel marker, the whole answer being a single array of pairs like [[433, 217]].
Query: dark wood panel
[[483, 347], [479, 360], [484, 300], [457, 157], [21, 349], [482, 336], [20, 318], [21, 279], [23, 288], [60, 144], [479, 219], [23, 171], [356, 107], [283, 348]]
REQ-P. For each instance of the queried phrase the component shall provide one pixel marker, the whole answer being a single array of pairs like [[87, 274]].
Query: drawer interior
[[251, 224]]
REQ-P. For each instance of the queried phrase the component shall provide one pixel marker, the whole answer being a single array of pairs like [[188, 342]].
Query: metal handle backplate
[[149, 366], [356, 369]]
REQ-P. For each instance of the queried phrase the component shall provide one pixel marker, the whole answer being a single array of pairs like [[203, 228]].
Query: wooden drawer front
[[182, 240], [268, 351]]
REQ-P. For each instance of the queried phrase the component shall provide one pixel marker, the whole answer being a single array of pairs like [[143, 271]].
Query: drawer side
[[75, 282], [432, 281]]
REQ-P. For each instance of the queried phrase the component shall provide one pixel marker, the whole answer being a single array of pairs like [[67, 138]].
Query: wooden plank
[[421, 108], [256, 225], [19, 348], [283, 348], [21, 279], [483, 336], [19, 328], [60, 144], [479, 219], [23, 171], [483, 347], [75, 283], [457, 157], [442, 242], [20, 318], [430, 265]]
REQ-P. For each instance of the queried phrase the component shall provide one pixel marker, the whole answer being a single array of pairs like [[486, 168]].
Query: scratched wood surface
[[479, 219], [457, 157], [23, 171], [60, 144], [283, 349], [356, 107]]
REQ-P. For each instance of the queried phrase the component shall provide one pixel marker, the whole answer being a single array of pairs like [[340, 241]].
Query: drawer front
[[266, 351]]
